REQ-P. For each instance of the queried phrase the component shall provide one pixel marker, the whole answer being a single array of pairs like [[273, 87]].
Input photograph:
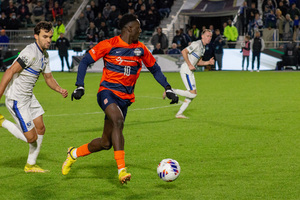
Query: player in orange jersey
[[123, 56]]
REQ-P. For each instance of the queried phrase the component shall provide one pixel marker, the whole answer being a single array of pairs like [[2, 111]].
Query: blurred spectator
[[174, 49], [57, 11], [117, 30], [11, 9], [103, 32], [242, 18], [113, 15], [211, 28], [98, 20], [91, 33], [82, 24], [224, 26], [29, 5], [218, 44], [94, 8], [138, 5], [13, 22], [282, 8], [157, 49], [296, 28], [164, 8], [246, 51], [271, 20], [106, 10], [142, 16], [58, 29], [231, 34], [63, 44], [256, 25], [191, 36], [89, 13], [3, 39], [3, 21], [257, 46], [196, 31], [251, 14], [156, 14], [101, 5], [38, 13], [186, 38], [150, 21], [288, 25], [270, 4], [23, 12], [179, 40], [293, 11], [161, 38], [279, 23], [131, 11]]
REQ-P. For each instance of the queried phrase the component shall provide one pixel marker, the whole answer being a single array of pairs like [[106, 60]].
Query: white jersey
[[196, 51], [33, 61]]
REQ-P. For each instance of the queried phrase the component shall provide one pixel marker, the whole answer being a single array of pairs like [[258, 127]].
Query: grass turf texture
[[241, 141]]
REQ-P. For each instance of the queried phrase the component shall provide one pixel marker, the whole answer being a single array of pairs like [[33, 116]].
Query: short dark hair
[[126, 19], [42, 25]]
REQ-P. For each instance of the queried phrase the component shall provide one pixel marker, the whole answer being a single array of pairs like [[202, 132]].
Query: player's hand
[[211, 61], [192, 68], [78, 93], [171, 95], [63, 93]]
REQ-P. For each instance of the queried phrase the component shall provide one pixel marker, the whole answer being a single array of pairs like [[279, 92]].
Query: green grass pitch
[[241, 141]]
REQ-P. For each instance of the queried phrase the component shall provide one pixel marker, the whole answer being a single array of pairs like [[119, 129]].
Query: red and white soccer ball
[[168, 170]]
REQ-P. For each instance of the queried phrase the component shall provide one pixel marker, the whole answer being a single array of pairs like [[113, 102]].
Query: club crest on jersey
[[137, 52]]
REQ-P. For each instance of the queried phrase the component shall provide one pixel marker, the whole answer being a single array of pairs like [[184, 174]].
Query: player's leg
[[62, 62], [258, 61], [253, 59], [67, 61], [14, 129], [35, 138], [190, 84]]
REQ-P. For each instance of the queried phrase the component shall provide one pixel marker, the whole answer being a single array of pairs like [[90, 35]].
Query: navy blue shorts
[[107, 97]]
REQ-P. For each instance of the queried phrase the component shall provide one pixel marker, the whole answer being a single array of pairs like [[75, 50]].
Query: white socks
[[74, 153], [185, 104], [34, 150], [14, 130], [119, 170], [185, 93]]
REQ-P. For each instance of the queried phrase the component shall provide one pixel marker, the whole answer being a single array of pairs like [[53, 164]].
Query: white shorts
[[187, 77], [24, 112]]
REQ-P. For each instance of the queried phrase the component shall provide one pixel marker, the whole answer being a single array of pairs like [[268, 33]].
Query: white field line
[[135, 109]]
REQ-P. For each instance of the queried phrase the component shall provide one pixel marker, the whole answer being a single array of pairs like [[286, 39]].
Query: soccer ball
[[168, 170]]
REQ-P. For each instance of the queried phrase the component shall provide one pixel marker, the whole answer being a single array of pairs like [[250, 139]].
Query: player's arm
[[154, 68], [84, 63], [211, 61], [51, 82], [185, 53], [9, 73]]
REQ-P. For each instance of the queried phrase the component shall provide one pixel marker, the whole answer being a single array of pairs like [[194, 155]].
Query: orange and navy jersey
[[122, 65]]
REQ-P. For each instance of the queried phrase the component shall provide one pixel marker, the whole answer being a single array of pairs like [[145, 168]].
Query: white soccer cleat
[[181, 116]]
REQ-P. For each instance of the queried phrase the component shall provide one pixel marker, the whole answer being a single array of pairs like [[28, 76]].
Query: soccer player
[[192, 57], [17, 85], [123, 56]]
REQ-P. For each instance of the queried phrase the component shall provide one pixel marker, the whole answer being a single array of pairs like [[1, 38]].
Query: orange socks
[[83, 150], [120, 158]]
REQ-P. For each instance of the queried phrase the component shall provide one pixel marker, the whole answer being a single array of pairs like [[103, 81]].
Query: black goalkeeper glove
[[171, 95], [78, 93]]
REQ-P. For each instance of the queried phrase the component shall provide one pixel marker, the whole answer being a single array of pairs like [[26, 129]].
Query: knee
[[192, 94], [31, 138], [106, 145], [41, 130], [118, 123]]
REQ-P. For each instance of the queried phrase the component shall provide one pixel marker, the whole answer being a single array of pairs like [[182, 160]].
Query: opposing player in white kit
[[17, 85], [192, 56]]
